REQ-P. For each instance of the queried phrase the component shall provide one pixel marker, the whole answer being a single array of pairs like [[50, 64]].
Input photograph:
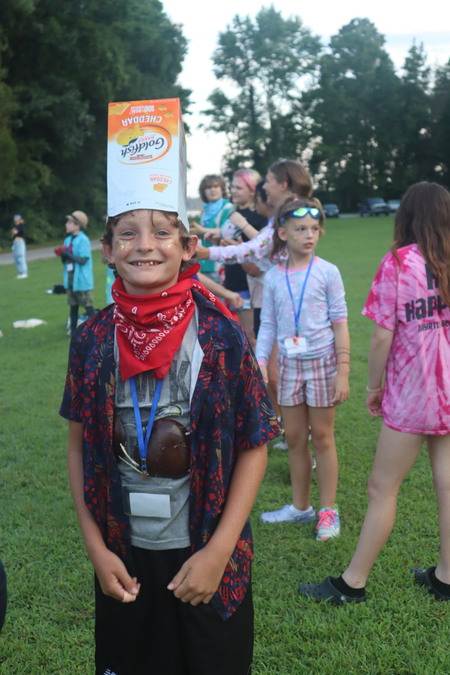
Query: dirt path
[[39, 253]]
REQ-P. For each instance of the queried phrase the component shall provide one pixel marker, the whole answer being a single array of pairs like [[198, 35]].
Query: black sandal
[[326, 592], [422, 576]]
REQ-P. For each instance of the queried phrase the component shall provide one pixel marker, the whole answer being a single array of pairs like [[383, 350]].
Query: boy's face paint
[[147, 251]]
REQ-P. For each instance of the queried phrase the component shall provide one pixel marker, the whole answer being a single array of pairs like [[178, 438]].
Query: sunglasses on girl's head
[[303, 211]]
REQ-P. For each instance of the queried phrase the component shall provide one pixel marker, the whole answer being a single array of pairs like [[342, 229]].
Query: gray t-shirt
[[162, 502]]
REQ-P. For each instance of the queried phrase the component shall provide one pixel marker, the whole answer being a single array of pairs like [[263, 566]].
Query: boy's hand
[[199, 578], [114, 578], [341, 388]]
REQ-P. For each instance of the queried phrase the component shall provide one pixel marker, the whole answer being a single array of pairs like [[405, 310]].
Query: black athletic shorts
[[161, 635]]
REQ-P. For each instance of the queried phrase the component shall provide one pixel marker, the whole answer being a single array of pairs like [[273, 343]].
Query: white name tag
[[149, 505], [69, 267], [295, 345]]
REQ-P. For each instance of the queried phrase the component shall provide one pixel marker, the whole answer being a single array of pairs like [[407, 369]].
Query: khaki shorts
[[307, 381], [80, 298]]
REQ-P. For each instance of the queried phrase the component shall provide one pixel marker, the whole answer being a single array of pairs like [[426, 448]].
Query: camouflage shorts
[[80, 298]]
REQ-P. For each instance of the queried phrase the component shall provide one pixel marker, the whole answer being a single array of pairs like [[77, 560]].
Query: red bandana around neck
[[150, 328]]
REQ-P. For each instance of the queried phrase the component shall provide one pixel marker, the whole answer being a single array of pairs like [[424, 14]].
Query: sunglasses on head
[[301, 212]]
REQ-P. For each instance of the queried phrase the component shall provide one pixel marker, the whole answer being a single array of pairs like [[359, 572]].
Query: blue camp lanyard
[[143, 443], [300, 302]]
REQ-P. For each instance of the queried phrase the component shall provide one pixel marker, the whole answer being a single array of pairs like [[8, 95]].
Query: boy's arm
[[111, 572], [200, 576], [342, 347]]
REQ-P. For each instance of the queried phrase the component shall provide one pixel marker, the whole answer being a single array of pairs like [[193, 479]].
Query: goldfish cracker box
[[146, 157]]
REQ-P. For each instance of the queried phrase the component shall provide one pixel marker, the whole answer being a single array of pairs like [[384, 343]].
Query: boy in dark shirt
[[163, 505]]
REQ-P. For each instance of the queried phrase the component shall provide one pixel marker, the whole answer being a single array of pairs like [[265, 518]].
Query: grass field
[[49, 623]]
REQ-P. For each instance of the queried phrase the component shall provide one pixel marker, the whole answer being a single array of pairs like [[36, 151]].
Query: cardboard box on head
[[147, 157]]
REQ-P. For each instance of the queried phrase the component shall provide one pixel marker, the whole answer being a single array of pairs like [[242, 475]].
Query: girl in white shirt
[[304, 310]]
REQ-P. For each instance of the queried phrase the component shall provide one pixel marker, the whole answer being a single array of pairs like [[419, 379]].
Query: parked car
[[373, 206], [331, 210], [393, 205]]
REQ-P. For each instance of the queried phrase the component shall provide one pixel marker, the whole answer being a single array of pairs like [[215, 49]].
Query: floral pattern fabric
[[230, 411]]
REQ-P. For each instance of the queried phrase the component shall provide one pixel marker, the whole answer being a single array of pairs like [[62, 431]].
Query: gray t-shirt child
[[158, 507]]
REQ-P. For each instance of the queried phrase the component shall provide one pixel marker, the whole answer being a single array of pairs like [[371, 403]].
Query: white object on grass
[[28, 323]]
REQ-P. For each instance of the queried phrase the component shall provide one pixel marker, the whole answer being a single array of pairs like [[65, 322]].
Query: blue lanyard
[[300, 302], [143, 443]]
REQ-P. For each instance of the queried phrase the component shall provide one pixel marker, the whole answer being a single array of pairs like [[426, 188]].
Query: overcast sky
[[202, 21]]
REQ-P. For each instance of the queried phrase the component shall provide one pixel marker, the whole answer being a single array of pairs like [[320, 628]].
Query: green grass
[[49, 624]]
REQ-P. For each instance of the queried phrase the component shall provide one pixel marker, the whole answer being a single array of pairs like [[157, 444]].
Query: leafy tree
[[413, 155], [263, 62], [8, 151], [61, 63], [440, 106], [354, 111]]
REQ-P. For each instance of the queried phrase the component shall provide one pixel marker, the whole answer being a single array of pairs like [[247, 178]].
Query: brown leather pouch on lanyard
[[168, 452]]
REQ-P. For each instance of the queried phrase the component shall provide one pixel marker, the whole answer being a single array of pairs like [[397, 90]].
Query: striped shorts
[[307, 381]]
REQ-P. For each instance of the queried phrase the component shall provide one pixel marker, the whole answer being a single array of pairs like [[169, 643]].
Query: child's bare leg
[[322, 434], [439, 450], [295, 420], [396, 453]]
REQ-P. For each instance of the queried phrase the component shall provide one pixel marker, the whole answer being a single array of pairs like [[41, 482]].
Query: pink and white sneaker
[[328, 524]]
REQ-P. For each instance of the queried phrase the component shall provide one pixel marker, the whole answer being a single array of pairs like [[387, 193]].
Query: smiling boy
[[163, 505]]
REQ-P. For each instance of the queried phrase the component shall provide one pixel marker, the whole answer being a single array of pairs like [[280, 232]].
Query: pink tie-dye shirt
[[404, 298]]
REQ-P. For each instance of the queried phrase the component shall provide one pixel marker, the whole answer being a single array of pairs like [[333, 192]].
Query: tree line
[[61, 63], [360, 127]]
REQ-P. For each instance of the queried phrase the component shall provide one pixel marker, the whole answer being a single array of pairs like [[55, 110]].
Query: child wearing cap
[[169, 421], [77, 260]]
